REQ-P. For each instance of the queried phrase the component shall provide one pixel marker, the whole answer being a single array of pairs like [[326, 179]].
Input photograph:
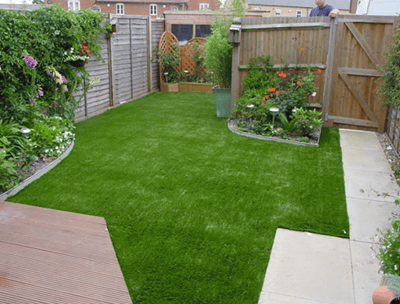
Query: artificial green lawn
[[192, 208]]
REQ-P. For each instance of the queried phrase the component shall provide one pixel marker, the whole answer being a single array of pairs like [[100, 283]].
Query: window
[[278, 12], [203, 30], [97, 8], [74, 5], [120, 9], [153, 9], [299, 13], [174, 8], [204, 6]]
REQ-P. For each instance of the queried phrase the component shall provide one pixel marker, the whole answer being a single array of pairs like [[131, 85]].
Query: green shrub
[[308, 121]]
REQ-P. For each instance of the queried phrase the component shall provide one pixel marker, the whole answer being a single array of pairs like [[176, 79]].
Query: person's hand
[[334, 13]]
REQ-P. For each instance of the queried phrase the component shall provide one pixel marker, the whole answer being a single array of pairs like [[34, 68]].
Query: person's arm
[[334, 13]]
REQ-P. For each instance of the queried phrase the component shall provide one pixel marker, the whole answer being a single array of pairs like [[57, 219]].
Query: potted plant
[[388, 252], [218, 56]]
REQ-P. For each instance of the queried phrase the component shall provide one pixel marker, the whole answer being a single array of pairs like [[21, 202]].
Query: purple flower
[[30, 62], [40, 92], [64, 79]]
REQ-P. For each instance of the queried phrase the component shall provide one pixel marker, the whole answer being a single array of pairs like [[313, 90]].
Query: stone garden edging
[[232, 127], [37, 174]]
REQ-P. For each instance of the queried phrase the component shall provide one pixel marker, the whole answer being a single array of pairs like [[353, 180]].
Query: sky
[[15, 1]]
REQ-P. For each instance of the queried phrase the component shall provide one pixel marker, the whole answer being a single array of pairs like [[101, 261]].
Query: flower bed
[[274, 103]]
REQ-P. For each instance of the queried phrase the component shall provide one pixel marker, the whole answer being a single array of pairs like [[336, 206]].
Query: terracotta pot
[[382, 295]]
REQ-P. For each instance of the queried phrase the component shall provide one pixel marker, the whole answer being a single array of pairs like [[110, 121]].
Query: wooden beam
[[364, 44], [360, 72], [290, 66], [361, 101], [353, 121], [316, 25]]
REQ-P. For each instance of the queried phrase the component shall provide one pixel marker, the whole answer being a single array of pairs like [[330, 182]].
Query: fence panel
[[125, 72], [157, 29]]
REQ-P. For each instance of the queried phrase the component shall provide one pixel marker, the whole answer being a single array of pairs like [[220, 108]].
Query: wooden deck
[[50, 256]]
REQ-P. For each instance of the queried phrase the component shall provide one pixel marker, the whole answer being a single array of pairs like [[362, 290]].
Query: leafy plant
[[289, 127], [308, 121], [171, 62], [8, 178], [218, 50], [389, 84]]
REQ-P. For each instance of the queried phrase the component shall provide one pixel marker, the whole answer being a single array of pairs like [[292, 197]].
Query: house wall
[[139, 9], [270, 11]]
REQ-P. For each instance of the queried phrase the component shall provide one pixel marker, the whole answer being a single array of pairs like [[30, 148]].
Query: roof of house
[[339, 4]]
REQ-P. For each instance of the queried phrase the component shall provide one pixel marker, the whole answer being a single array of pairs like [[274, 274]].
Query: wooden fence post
[[234, 38], [329, 70], [110, 69], [149, 50]]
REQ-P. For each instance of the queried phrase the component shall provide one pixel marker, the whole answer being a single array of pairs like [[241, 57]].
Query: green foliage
[[37, 80], [304, 139], [8, 178], [388, 248], [289, 127], [260, 76], [307, 121], [394, 283], [218, 50], [390, 84], [171, 62], [47, 37]]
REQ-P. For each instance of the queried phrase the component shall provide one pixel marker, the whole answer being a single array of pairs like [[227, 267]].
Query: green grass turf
[[192, 208]]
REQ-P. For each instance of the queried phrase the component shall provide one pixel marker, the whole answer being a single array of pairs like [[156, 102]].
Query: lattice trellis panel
[[167, 42], [195, 45]]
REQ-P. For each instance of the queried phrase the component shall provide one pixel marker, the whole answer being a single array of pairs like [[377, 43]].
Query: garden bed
[[314, 137], [35, 170], [186, 87]]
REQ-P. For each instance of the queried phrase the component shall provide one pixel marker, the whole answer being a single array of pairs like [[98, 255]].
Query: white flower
[[250, 106], [395, 267], [313, 94]]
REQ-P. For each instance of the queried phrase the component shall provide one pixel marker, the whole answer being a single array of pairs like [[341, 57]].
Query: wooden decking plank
[[56, 284], [72, 238], [58, 227], [7, 206], [61, 271], [7, 298], [36, 293], [56, 247], [7, 215], [60, 259], [46, 259]]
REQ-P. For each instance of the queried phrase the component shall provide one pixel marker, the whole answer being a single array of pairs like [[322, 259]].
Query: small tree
[[218, 50]]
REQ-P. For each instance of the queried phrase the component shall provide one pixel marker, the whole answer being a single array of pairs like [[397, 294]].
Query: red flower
[[298, 82], [266, 97], [302, 49], [277, 92], [271, 90], [282, 75], [278, 72], [262, 103], [319, 71]]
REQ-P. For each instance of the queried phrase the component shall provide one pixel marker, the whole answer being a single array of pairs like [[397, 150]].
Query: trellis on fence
[[190, 55]]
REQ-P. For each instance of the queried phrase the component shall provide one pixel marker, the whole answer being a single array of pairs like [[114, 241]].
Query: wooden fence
[[125, 72], [347, 49]]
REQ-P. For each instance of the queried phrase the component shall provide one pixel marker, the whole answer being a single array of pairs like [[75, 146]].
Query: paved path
[[308, 268]]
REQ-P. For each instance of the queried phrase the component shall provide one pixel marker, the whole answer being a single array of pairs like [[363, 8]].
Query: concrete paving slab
[[359, 140], [310, 266], [371, 160], [366, 216], [274, 298], [370, 185], [365, 272]]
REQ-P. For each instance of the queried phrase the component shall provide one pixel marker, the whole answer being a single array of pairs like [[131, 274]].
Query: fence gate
[[358, 45]]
